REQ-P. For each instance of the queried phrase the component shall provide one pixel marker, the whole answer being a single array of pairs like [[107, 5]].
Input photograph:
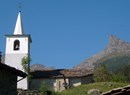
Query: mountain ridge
[[115, 47]]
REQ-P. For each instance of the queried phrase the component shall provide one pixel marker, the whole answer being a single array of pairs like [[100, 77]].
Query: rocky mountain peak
[[113, 40], [115, 47], [117, 44]]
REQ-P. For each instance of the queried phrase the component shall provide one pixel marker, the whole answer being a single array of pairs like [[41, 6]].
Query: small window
[[16, 45]]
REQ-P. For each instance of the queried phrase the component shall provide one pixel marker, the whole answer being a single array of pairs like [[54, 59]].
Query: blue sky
[[66, 32]]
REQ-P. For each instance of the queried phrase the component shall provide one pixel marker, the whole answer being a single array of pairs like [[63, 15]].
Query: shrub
[[43, 88], [121, 75], [101, 74]]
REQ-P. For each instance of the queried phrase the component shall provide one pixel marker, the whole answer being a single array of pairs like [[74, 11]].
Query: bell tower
[[17, 47]]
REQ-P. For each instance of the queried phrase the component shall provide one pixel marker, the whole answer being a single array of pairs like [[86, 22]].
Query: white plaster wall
[[22, 84], [24, 46], [59, 85], [14, 60], [13, 57]]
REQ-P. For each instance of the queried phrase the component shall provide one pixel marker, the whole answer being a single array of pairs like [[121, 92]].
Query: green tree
[[101, 74], [26, 67], [120, 75]]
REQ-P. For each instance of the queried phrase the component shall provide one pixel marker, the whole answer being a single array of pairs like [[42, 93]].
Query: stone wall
[[26, 92], [32, 92], [8, 83], [35, 84]]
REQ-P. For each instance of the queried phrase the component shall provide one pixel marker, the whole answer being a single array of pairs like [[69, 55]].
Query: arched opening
[[16, 45]]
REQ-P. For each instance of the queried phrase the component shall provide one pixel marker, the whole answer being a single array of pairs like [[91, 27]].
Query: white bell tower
[[17, 47]]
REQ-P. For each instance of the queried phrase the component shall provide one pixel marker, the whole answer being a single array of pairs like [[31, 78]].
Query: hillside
[[116, 63], [116, 49], [83, 89]]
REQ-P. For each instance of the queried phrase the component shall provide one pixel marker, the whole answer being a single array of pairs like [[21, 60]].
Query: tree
[[101, 74], [118, 77], [26, 67], [121, 75], [26, 63]]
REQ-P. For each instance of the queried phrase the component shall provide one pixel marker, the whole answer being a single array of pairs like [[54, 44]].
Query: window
[[16, 45]]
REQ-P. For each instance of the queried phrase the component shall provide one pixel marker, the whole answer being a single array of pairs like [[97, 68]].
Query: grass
[[83, 89]]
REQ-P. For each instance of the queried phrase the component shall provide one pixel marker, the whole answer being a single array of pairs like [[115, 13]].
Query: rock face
[[116, 47]]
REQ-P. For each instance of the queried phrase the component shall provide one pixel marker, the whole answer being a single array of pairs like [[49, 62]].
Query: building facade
[[60, 79]]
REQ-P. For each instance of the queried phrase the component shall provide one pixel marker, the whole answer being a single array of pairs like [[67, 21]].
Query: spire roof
[[19, 26]]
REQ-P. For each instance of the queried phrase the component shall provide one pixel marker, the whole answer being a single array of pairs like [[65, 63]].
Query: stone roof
[[76, 72], [12, 70], [118, 91], [57, 73]]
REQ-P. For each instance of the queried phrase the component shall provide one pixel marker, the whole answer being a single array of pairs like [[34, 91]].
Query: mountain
[[116, 48], [40, 67]]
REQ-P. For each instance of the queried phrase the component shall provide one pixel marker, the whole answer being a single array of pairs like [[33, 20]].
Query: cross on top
[[19, 6]]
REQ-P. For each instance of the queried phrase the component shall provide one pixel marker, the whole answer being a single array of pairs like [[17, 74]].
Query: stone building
[[8, 79], [60, 79]]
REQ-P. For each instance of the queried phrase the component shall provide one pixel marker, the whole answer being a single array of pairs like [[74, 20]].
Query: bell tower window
[[16, 45]]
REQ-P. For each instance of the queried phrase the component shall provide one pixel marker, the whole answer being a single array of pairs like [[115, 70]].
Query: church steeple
[[18, 47], [19, 26]]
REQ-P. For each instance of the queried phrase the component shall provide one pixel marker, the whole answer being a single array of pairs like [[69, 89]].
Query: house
[[8, 79], [60, 79]]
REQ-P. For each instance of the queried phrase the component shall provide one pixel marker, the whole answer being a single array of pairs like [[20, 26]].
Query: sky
[[66, 32]]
